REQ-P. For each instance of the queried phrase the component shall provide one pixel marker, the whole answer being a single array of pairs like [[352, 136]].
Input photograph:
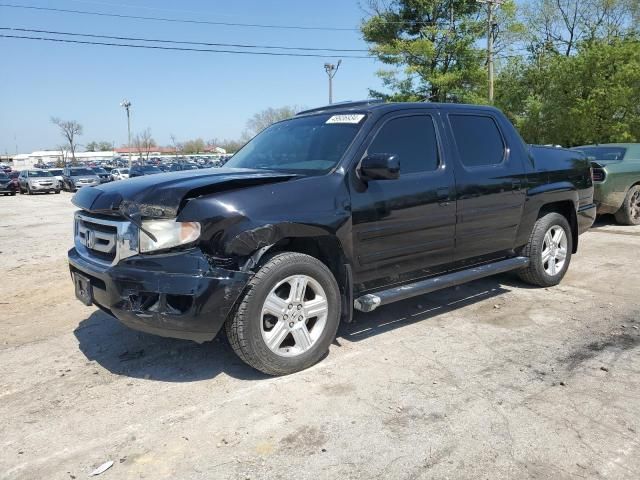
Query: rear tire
[[549, 251], [288, 317], [629, 213]]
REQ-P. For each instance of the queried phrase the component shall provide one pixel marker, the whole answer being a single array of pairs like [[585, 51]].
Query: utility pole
[[491, 25], [331, 70], [127, 106]]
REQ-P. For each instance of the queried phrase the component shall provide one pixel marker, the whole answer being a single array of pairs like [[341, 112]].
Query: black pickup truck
[[347, 206]]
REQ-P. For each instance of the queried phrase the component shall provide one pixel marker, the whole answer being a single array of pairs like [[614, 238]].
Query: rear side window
[[413, 139], [478, 140]]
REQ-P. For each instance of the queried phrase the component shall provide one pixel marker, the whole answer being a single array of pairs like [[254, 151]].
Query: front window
[[37, 174], [148, 169], [124, 171], [55, 172], [76, 172], [603, 153], [99, 170], [3, 176], [308, 145]]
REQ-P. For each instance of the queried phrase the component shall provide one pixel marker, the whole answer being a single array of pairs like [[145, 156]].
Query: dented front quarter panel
[[240, 222]]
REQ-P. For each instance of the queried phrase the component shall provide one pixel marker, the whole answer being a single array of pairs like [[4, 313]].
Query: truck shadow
[[425, 307], [126, 352], [604, 220]]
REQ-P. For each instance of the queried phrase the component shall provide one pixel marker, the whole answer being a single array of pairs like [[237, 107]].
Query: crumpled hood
[[162, 195]]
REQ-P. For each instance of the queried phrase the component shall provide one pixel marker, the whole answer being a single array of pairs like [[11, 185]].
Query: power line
[[208, 22], [181, 42], [175, 20], [179, 49]]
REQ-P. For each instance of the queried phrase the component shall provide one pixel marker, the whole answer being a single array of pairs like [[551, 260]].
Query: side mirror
[[380, 166]]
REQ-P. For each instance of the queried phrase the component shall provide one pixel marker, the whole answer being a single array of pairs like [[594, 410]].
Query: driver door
[[405, 228]]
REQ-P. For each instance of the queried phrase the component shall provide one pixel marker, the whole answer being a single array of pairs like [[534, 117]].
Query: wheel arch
[[327, 249], [567, 209]]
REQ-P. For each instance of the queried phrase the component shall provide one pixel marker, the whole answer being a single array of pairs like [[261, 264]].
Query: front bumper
[[43, 188], [177, 295]]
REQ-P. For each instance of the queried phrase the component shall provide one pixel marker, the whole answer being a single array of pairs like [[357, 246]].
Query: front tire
[[288, 317], [549, 251], [629, 213]]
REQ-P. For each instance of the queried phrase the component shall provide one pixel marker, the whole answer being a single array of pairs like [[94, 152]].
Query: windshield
[[124, 170], [148, 169], [3, 176], [55, 172], [603, 153], [306, 145], [81, 171], [34, 173], [99, 170]]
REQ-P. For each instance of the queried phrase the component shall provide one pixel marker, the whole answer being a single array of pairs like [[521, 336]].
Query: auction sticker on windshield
[[354, 118]]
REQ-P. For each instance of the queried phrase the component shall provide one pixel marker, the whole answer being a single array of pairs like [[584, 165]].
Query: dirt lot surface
[[490, 380]]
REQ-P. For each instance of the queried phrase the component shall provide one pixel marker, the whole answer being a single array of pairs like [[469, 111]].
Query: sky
[[188, 94]]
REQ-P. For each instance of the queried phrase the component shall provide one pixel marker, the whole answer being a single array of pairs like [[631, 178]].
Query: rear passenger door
[[405, 227], [489, 184]]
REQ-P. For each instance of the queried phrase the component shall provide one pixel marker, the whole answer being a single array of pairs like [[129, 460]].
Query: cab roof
[[379, 106]]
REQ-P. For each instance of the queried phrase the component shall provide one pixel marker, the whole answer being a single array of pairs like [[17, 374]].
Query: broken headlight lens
[[168, 233]]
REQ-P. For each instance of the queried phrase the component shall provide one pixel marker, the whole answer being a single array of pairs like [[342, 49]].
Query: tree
[[561, 25], [230, 145], [60, 163], [98, 146], [191, 147], [144, 143], [176, 146], [591, 96], [433, 47], [269, 116], [69, 129]]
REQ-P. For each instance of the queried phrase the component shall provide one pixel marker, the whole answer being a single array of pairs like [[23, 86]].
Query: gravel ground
[[492, 380]]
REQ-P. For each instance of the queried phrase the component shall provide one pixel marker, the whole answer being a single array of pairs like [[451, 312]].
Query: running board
[[371, 301]]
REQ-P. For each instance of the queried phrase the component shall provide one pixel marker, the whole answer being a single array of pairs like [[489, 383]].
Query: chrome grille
[[104, 240]]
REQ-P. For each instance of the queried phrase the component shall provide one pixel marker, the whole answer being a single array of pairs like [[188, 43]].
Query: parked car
[[616, 176], [37, 181], [119, 173], [102, 174], [74, 178], [142, 170], [7, 185], [57, 172], [347, 206]]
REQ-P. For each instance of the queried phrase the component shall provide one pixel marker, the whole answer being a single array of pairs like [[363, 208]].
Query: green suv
[[616, 178]]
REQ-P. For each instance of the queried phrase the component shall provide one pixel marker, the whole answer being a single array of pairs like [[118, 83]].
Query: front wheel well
[[567, 209], [329, 251]]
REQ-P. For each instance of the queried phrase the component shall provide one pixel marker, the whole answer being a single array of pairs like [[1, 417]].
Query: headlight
[[168, 233]]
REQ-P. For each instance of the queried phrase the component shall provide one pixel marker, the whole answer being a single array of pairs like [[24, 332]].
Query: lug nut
[[299, 307], [290, 324], [286, 316], [290, 306]]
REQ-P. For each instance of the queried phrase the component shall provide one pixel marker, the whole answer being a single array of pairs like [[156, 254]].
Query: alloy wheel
[[294, 315], [634, 205], [554, 250]]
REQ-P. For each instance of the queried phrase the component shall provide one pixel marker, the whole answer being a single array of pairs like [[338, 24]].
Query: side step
[[371, 301]]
